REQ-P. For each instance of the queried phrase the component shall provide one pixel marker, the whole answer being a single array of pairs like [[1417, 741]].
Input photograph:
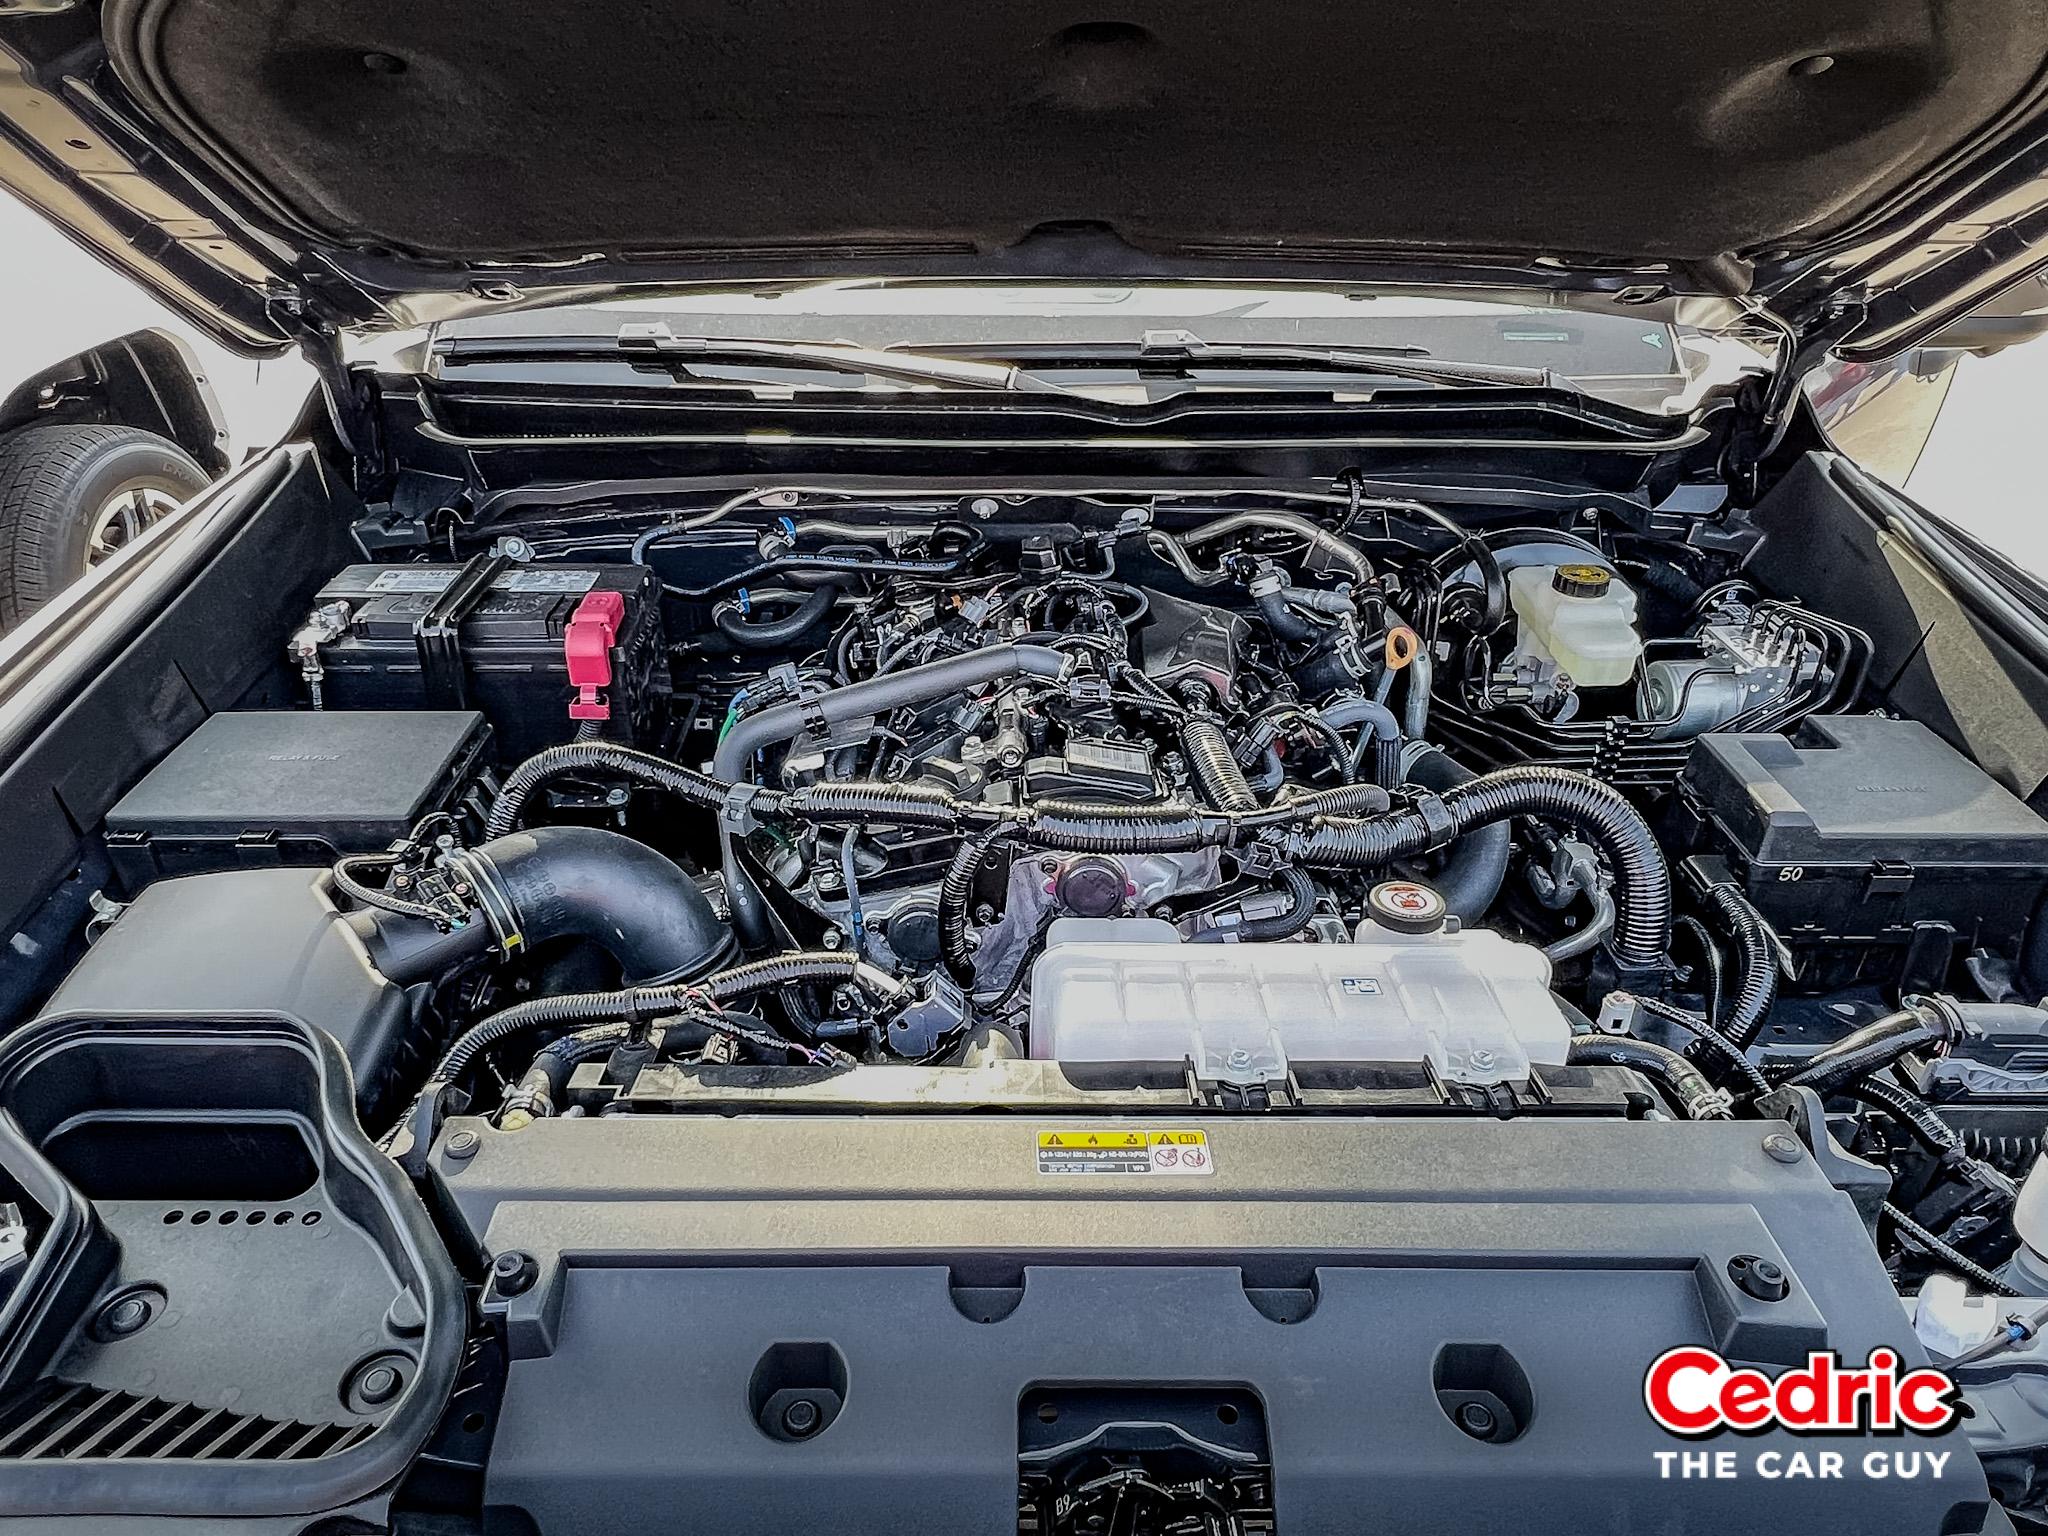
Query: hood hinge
[[1765, 408], [351, 402]]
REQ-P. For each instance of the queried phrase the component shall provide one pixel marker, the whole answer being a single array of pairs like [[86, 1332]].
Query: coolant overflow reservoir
[[1583, 617], [1477, 1007]]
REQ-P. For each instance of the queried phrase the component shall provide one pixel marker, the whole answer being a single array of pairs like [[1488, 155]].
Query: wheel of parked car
[[71, 495]]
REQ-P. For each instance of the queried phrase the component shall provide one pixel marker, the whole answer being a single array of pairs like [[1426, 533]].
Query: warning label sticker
[[404, 579], [1172, 1153]]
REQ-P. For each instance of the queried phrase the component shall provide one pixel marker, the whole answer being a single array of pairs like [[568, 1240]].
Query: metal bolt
[[1781, 1148], [463, 1144], [1481, 1058], [984, 507]]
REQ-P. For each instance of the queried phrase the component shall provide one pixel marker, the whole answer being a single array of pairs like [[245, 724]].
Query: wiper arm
[[655, 339], [1184, 350]]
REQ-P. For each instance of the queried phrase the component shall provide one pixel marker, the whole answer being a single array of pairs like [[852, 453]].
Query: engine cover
[[918, 1277]]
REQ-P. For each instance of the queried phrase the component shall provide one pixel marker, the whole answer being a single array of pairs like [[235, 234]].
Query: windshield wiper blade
[[655, 339], [1185, 350]]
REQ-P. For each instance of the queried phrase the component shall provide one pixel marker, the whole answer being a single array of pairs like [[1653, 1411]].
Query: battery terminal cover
[[587, 649]]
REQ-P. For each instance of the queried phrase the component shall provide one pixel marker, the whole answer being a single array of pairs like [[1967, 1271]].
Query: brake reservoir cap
[[1581, 581], [1406, 906]]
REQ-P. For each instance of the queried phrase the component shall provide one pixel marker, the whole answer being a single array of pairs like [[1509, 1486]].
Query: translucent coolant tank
[[1475, 1006], [1582, 617]]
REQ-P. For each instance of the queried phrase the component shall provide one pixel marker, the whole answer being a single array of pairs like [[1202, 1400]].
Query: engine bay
[[823, 914]]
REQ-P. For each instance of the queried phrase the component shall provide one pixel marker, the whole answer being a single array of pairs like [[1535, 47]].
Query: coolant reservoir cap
[[1581, 580], [1406, 906]]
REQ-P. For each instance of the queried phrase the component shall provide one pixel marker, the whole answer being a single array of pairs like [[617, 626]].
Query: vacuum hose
[[751, 634], [1687, 1086]]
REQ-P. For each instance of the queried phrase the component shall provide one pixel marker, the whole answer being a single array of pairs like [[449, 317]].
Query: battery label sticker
[[403, 580], [1170, 1153]]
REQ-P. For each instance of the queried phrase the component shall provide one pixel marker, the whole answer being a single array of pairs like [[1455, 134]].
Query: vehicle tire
[[72, 495]]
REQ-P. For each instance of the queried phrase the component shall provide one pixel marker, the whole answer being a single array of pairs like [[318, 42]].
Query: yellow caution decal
[[1097, 1149]]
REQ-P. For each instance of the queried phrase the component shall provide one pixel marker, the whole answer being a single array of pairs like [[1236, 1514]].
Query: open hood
[[1862, 171]]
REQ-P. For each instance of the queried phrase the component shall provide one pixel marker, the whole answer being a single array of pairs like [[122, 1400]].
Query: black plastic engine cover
[[930, 1275]]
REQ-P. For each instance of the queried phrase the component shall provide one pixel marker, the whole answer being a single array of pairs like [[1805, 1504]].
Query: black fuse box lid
[[293, 785], [1853, 790]]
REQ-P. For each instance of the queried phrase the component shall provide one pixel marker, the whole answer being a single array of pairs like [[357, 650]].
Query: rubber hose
[[1756, 962], [1931, 1131], [1713, 970], [1869, 1049], [1642, 928], [1301, 892], [847, 564], [561, 882], [596, 757], [540, 1089], [1730, 1053], [1282, 620], [581, 1008], [1911, 1111], [1331, 546], [1477, 866], [1214, 765], [1683, 1083], [751, 634], [1379, 743], [584, 882]]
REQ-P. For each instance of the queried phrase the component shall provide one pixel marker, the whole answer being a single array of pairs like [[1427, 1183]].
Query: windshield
[[1147, 340]]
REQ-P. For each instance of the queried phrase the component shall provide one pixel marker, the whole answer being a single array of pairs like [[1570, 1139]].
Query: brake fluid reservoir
[[1580, 616], [1476, 1006]]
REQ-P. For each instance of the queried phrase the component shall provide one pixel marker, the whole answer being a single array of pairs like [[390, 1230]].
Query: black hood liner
[[477, 130]]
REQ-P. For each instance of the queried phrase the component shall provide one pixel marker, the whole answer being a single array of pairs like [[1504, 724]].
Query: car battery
[[1860, 834], [539, 649]]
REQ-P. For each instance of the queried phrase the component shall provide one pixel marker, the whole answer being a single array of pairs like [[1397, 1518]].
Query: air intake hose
[[562, 882]]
